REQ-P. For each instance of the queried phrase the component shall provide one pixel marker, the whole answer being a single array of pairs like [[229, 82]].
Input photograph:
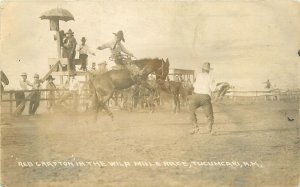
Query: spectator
[[36, 96], [70, 47], [50, 95], [20, 95], [73, 90], [83, 50]]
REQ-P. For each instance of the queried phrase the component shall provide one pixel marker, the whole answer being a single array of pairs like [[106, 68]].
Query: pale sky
[[247, 42]]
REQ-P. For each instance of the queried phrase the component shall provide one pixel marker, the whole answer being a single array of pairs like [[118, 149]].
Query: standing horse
[[4, 80], [175, 89], [107, 83]]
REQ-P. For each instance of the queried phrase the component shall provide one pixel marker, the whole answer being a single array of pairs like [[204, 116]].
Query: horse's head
[[162, 72]]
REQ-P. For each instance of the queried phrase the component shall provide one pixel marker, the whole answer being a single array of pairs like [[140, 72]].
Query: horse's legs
[[104, 106], [151, 89]]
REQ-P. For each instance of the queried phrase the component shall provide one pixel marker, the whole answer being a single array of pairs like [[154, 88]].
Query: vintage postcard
[[150, 93]]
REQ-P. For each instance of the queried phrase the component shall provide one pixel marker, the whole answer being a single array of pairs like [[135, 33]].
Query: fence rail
[[8, 95]]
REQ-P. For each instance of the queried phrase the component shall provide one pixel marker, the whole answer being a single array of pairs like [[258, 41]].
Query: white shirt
[[114, 51], [204, 84], [84, 49], [23, 85]]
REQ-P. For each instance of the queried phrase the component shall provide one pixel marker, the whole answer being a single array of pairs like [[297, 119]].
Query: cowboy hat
[[50, 77], [120, 35], [206, 66], [70, 31], [36, 75], [83, 39], [24, 74]]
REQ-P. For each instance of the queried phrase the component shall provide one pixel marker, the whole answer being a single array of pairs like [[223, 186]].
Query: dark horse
[[175, 89], [4, 80], [106, 84]]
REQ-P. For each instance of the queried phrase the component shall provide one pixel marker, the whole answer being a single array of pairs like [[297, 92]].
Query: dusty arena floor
[[253, 144]]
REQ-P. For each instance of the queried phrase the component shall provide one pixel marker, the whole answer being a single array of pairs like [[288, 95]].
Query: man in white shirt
[[203, 88], [116, 48], [36, 96], [20, 95], [84, 50]]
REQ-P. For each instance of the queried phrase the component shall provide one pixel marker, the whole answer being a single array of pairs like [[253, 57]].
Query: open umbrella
[[58, 14], [54, 15]]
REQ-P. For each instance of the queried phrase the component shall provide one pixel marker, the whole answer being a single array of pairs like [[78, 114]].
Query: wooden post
[[54, 26], [58, 44]]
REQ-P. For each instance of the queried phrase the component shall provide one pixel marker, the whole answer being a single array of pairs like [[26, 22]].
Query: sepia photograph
[[194, 93]]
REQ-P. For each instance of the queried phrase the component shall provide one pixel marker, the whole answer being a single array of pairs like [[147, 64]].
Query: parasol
[[58, 14], [54, 15]]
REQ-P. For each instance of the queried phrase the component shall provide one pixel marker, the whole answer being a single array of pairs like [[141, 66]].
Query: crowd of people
[[69, 47], [201, 96], [71, 84]]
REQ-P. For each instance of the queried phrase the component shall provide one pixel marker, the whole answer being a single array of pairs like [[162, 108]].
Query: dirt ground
[[254, 132]]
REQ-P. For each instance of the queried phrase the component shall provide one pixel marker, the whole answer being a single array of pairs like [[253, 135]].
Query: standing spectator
[[63, 42], [268, 84], [50, 95], [73, 87], [35, 98], [83, 50], [204, 86], [70, 47], [93, 68], [20, 95], [102, 67]]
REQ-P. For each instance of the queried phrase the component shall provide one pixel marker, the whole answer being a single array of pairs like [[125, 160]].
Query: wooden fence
[[267, 95], [9, 96]]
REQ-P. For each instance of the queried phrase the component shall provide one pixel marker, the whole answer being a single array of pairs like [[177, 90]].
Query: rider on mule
[[117, 48]]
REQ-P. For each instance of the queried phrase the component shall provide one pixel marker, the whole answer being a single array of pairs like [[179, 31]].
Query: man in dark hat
[[203, 88], [117, 48], [70, 47], [84, 50], [50, 95], [268, 84]]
